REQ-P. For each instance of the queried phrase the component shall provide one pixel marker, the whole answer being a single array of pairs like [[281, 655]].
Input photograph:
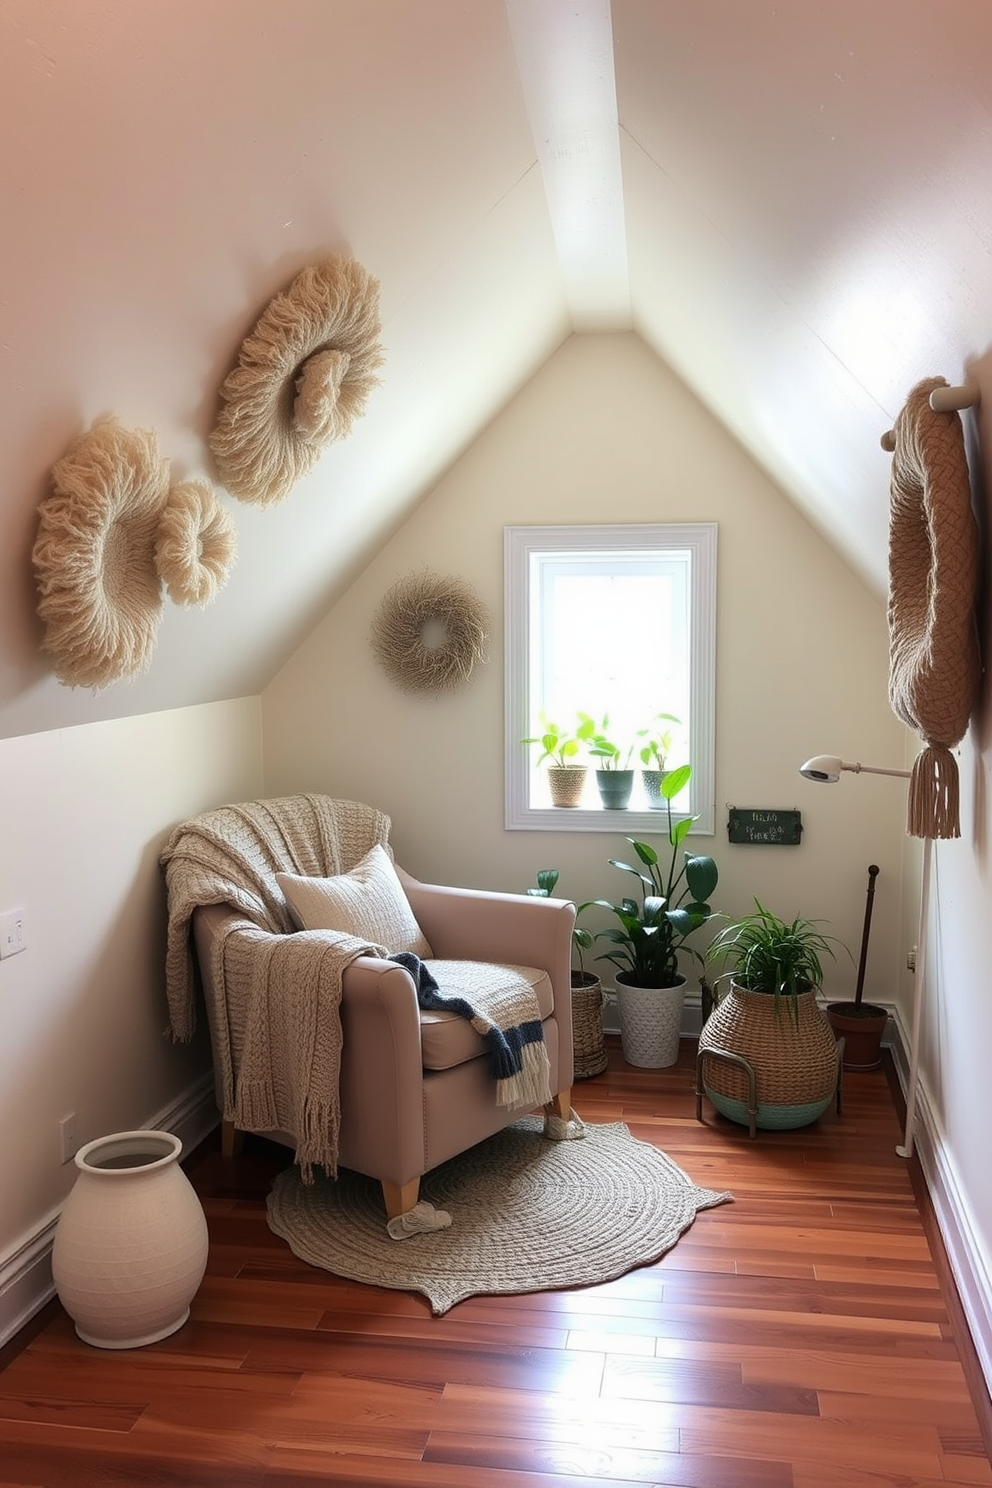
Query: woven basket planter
[[588, 1044], [793, 1054], [567, 783]]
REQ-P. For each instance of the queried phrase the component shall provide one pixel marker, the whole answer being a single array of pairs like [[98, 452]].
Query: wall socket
[[68, 1146], [911, 959], [13, 932]]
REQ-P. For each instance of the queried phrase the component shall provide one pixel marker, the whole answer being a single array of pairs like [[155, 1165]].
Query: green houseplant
[[768, 1056], [589, 1049], [562, 747], [652, 930], [614, 763], [654, 754]]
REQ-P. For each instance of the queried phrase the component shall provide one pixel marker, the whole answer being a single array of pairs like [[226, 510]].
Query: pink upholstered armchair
[[415, 1086]]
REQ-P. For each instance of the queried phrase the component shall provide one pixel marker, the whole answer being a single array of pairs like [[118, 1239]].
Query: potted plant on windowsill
[[614, 769], [566, 772], [651, 932], [654, 754], [588, 1046], [767, 1055]]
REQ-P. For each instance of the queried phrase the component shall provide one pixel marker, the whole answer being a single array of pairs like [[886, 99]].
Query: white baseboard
[[966, 1254], [26, 1272]]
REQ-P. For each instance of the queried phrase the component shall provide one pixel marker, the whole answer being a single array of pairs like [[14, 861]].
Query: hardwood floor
[[804, 1336]]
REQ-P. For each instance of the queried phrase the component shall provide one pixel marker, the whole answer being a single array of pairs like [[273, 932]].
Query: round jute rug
[[527, 1215]]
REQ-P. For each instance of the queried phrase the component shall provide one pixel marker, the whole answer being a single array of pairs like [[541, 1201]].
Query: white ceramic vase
[[650, 1023], [131, 1243]]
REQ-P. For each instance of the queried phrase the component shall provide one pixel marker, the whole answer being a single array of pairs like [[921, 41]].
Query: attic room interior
[[636, 263]]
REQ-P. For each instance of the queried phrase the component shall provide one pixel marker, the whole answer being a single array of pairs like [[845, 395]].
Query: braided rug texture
[[934, 668], [527, 1215]]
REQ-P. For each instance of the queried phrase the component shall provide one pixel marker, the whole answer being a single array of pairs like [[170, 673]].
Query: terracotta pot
[[862, 1035], [567, 782]]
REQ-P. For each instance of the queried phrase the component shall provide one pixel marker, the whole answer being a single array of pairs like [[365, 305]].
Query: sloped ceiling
[[789, 201]]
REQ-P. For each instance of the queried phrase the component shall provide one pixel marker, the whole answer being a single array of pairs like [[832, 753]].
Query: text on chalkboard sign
[[765, 827]]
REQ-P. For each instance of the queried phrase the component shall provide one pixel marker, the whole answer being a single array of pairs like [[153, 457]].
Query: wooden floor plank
[[805, 1336]]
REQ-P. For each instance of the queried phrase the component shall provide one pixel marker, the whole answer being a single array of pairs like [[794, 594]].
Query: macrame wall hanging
[[195, 544], [111, 532], [430, 632], [934, 665], [303, 377]]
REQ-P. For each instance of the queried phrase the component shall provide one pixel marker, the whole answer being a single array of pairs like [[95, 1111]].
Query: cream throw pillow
[[368, 902]]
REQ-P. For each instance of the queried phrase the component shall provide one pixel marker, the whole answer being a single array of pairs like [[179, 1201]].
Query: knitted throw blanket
[[500, 1004], [283, 988], [934, 668]]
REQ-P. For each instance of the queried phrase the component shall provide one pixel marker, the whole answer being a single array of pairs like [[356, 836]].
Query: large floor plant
[[652, 929]]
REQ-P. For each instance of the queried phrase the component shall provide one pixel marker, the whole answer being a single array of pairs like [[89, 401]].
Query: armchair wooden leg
[[561, 1104], [231, 1140], [399, 1197]]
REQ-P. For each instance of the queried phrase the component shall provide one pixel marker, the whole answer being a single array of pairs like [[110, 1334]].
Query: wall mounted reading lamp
[[827, 769]]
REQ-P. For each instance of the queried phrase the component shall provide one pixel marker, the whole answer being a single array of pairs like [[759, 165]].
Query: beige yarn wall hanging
[[195, 544], [110, 533], [430, 632], [303, 377], [934, 665], [94, 556]]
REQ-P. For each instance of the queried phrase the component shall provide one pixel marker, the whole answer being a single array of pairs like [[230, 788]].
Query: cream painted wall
[[84, 813], [605, 431]]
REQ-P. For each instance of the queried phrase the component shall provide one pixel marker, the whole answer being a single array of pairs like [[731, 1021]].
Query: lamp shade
[[824, 767]]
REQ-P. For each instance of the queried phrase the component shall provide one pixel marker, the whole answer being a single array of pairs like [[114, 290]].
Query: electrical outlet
[[68, 1146], [13, 933], [911, 959]]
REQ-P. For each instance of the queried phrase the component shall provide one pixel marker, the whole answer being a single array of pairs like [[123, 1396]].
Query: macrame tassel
[[933, 794]]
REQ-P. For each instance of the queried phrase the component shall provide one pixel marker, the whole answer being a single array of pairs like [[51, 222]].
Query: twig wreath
[[195, 544], [94, 556], [429, 632], [303, 376]]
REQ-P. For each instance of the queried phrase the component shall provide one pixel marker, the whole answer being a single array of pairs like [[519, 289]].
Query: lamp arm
[[860, 769]]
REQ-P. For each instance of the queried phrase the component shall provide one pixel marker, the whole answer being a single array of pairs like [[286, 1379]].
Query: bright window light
[[617, 623]]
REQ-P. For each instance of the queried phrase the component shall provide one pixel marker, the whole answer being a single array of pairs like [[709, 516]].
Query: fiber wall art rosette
[[110, 532], [303, 377]]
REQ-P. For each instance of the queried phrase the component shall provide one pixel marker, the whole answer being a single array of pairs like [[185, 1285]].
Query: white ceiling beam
[[564, 52]]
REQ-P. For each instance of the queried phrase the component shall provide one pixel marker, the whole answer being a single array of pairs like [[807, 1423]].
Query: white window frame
[[519, 545]]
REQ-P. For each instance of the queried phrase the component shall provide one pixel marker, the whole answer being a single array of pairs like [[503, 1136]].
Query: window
[[617, 622]]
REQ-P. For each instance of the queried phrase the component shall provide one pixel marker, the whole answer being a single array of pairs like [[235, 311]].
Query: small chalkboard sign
[[764, 827]]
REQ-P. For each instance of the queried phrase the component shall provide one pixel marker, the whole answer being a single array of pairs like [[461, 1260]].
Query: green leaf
[[675, 781], [701, 874], [680, 830], [644, 851]]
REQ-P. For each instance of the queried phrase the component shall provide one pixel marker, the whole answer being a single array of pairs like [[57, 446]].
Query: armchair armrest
[[482, 925], [518, 929]]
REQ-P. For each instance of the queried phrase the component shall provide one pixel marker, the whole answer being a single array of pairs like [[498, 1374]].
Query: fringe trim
[[933, 794], [319, 1140], [531, 1085]]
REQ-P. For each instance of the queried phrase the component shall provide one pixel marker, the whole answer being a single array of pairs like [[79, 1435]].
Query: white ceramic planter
[[131, 1243], [650, 1023]]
